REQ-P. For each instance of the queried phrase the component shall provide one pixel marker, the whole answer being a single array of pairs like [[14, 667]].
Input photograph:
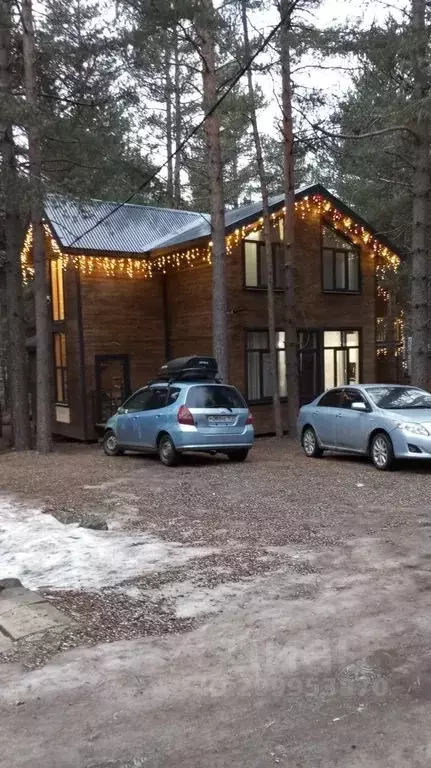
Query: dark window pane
[[353, 271], [138, 402], [257, 340], [214, 396], [173, 393], [263, 270], [268, 385], [157, 399], [340, 271], [278, 266], [59, 387], [253, 375], [331, 399], [328, 277]]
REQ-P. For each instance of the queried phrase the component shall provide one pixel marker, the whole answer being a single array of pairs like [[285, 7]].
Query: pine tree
[[43, 325], [266, 230], [206, 33], [16, 352]]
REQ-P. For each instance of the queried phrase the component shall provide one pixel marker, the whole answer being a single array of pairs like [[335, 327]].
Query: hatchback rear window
[[207, 396]]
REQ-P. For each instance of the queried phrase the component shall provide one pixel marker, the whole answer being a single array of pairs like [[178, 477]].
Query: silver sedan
[[384, 421]]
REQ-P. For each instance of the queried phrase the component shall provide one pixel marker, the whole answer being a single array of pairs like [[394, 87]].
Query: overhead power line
[[241, 71]]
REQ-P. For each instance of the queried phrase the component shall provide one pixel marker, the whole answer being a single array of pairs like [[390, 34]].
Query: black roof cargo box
[[192, 367]]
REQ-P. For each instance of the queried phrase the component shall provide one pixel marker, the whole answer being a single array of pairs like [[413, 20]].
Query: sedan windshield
[[398, 398]]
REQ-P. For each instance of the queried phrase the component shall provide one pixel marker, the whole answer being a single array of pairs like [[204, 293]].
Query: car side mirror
[[121, 410], [358, 407]]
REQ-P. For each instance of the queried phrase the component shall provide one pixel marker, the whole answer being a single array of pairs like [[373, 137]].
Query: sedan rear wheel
[[382, 452], [310, 445]]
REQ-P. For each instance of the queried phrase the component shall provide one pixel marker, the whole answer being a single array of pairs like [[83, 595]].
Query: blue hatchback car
[[170, 418]]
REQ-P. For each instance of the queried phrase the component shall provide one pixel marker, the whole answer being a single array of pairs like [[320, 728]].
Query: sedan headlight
[[413, 428]]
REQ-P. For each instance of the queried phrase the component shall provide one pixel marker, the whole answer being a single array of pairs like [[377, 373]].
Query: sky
[[335, 79]]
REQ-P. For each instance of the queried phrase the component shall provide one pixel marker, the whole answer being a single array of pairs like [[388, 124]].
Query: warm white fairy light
[[145, 267]]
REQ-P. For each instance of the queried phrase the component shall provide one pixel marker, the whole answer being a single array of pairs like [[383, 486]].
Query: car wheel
[[310, 445], [168, 454], [382, 452], [110, 444], [239, 455]]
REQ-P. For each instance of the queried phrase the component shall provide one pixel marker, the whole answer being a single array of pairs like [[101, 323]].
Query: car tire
[[382, 452], [310, 446], [168, 454], [110, 444], [238, 455]]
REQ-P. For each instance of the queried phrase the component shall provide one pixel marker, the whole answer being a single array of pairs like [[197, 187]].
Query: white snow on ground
[[42, 552], [192, 601]]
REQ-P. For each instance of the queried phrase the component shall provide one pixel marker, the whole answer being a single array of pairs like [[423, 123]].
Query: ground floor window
[[325, 359], [259, 378], [60, 368], [341, 358]]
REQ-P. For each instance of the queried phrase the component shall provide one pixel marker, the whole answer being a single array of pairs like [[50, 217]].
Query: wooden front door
[[112, 384]]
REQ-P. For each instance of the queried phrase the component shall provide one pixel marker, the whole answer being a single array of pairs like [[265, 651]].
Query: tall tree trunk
[[266, 231], [17, 356], [168, 102], [177, 119], [289, 223], [421, 185], [41, 289], [215, 172]]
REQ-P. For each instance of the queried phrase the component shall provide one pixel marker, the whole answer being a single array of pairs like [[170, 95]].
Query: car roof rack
[[191, 368]]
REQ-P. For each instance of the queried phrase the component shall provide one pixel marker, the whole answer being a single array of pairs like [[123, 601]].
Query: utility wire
[[242, 71]]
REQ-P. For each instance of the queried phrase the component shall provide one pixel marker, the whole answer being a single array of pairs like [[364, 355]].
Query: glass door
[[341, 358]]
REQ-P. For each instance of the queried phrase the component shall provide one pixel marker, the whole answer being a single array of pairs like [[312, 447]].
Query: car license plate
[[216, 420]]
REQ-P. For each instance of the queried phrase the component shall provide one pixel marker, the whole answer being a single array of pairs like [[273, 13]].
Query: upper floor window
[[340, 263], [57, 289], [255, 272]]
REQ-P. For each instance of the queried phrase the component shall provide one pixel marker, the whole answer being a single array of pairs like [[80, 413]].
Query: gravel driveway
[[304, 607]]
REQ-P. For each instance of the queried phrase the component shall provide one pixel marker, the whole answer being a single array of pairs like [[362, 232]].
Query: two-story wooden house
[[131, 287]]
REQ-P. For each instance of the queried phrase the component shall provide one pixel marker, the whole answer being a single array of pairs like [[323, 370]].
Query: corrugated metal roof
[[232, 218], [141, 229], [131, 229]]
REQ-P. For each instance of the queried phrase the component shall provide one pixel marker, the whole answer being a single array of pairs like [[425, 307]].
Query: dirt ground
[[284, 619]]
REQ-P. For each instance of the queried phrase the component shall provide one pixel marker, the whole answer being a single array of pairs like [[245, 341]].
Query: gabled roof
[[141, 229], [233, 219], [130, 229]]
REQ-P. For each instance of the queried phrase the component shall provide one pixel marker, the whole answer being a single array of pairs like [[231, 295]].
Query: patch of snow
[[192, 601], [42, 552]]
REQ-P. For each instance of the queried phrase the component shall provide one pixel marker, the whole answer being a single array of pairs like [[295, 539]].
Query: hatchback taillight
[[185, 416], [250, 419]]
